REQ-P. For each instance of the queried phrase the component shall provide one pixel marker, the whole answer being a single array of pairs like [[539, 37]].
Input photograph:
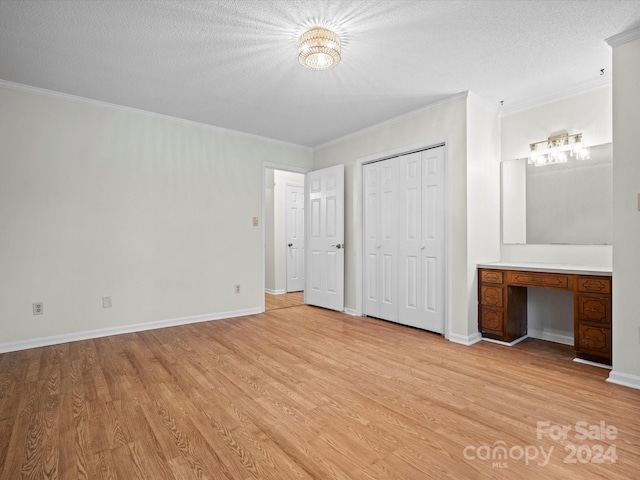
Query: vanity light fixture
[[319, 49], [555, 149]]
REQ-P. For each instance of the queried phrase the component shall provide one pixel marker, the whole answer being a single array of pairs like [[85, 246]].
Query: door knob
[[291, 244], [338, 245]]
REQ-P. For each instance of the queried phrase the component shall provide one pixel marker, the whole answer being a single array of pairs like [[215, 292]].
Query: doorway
[[283, 231]]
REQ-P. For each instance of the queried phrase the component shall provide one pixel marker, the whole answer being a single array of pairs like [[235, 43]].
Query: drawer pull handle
[[598, 340], [599, 310]]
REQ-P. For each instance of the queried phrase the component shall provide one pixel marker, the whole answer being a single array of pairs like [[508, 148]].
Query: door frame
[[359, 218], [270, 166]]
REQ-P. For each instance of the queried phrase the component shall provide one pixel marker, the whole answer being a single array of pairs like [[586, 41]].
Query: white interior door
[[324, 207], [294, 205]]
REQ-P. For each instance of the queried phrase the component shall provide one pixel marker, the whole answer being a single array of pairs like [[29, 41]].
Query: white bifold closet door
[[404, 212], [381, 239]]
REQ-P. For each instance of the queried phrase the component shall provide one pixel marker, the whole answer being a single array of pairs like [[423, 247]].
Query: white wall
[[626, 219], [590, 114], [483, 196], [447, 122], [152, 211]]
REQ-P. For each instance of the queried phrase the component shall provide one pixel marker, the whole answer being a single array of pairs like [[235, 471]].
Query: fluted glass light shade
[[319, 49]]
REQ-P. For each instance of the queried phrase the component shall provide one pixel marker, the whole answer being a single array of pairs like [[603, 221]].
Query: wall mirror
[[563, 203]]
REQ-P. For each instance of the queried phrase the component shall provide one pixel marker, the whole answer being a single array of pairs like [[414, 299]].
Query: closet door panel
[[409, 241], [433, 240], [372, 242], [389, 239]]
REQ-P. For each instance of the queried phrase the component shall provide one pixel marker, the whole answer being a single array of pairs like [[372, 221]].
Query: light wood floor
[[286, 300], [301, 392]]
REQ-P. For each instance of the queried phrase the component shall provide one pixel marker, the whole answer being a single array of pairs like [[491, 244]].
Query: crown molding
[[397, 119], [624, 37], [580, 89], [112, 106]]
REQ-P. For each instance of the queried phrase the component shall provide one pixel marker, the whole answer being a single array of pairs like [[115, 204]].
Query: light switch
[[256, 222]]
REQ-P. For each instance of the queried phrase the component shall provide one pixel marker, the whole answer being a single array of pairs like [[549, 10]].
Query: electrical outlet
[[38, 308], [238, 288], [106, 302]]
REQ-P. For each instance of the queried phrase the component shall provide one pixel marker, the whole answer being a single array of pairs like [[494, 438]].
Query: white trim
[[112, 106], [350, 311], [624, 379], [358, 192], [624, 37], [107, 332], [467, 340], [585, 87], [394, 120], [593, 364], [551, 337], [274, 292], [506, 344]]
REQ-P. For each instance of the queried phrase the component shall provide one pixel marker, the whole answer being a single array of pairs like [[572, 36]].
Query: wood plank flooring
[[286, 300], [304, 393]]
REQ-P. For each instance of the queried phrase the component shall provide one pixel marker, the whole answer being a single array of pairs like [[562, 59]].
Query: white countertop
[[550, 267]]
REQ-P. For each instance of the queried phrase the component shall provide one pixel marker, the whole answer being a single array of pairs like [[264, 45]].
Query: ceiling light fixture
[[554, 149], [319, 49]]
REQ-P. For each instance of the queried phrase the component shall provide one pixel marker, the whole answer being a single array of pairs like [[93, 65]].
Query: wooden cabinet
[[502, 307], [502, 310], [592, 324]]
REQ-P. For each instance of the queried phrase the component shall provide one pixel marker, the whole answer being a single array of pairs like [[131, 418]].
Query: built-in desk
[[502, 302]]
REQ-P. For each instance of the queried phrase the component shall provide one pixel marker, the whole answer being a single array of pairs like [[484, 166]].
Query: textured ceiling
[[232, 63]]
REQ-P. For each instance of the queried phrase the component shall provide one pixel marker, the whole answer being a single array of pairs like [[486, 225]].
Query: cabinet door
[[594, 339], [491, 321]]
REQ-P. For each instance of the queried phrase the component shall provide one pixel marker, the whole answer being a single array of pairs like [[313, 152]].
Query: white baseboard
[[506, 344], [593, 364], [551, 336], [106, 332], [350, 311], [624, 379], [274, 292], [465, 339]]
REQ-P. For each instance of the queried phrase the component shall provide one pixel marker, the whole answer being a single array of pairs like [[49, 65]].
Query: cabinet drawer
[[491, 276], [491, 296], [594, 284], [491, 320], [595, 309], [594, 339], [536, 279]]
